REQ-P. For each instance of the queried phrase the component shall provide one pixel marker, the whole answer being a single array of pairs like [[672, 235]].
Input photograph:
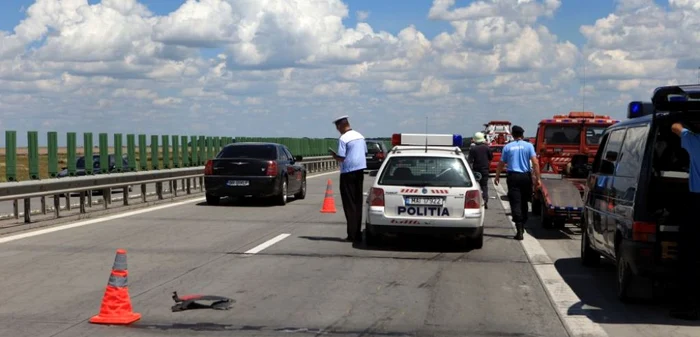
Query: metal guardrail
[[192, 179]]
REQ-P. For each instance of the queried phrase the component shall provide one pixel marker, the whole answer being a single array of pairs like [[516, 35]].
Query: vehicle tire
[[546, 219], [302, 190], [589, 256], [212, 199], [478, 242], [624, 277], [371, 238], [282, 197], [536, 206]]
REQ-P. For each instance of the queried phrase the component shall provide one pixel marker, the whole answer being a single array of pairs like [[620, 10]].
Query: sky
[[287, 68]]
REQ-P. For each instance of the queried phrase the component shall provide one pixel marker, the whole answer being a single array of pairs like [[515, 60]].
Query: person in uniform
[[523, 176], [689, 231], [480, 157], [351, 154]]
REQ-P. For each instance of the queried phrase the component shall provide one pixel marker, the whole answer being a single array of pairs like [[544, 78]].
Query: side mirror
[[373, 173], [607, 167], [298, 158], [477, 175]]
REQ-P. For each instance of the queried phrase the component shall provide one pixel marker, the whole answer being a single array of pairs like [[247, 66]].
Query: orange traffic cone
[[116, 303], [328, 201]]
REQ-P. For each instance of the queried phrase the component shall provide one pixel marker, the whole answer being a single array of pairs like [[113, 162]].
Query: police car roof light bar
[[676, 98], [426, 139]]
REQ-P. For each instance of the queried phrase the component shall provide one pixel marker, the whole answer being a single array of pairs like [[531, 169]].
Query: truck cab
[[497, 134]]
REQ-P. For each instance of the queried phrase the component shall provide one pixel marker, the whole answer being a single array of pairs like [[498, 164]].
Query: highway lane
[[310, 282], [595, 287]]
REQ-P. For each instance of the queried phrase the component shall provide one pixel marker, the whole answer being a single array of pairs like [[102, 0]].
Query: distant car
[[251, 169], [376, 153], [80, 168], [427, 190]]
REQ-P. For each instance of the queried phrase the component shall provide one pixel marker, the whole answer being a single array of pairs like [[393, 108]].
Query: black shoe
[[519, 234], [486, 205]]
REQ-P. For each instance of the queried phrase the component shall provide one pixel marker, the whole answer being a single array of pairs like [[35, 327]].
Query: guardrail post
[[143, 192], [43, 204], [154, 152], [27, 210], [15, 208], [195, 152], [159, 190], [104, 153], [125, 195], [82, 202], [11, 155], [87, 152], [143, 155], [185, 152], [118, 155], [72, 153], [33, 154], [106, 197], [166, 151], [176, 151], [57, 205], [131, 152], [52, 138]]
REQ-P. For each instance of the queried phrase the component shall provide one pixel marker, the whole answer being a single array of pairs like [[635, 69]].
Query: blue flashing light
[[549, 121], [566, 120], [635, 109], [457, 140]]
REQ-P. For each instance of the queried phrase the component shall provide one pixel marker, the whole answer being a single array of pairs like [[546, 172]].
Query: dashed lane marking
[[267, 244], [577, 323], [115, 216]]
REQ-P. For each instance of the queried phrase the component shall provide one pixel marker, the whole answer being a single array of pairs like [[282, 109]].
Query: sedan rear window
[[373, 147], [425, 171], [255, 151]]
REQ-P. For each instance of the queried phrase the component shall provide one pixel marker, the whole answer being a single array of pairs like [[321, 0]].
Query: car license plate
[[424, 201], [237, 183]]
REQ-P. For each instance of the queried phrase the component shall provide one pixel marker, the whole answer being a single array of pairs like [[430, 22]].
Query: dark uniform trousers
[[351, 195], [484, 183], [689, 256], [519, 194]]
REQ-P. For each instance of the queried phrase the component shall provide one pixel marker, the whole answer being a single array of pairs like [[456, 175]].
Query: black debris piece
[[190, 302]]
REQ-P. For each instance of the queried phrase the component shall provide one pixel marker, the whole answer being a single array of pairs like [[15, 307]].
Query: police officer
[[523, 174], [690, 230], [480, 158], [352, 150]]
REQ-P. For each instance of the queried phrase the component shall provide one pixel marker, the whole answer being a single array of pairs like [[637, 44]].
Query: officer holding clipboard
[[351, 155]]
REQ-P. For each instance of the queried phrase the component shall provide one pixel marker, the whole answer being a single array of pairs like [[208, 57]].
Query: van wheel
[[589, 257], [624, 277], [212, 200]]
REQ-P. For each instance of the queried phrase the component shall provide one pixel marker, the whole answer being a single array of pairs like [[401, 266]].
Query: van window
[[612, 152], [632, 152]]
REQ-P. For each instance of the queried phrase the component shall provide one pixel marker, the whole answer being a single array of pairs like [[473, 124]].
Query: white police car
[[425, 185]]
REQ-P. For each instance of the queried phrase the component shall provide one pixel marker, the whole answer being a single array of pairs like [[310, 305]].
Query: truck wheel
[[546, 219], [537, 206], [589, 257]]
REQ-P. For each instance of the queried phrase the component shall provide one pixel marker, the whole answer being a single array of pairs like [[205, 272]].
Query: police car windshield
[[425, 171]]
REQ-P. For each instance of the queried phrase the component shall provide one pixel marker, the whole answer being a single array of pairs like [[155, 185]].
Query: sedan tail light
[[472, 200], [380, 155], [209, 168], [376, 197], [271, 168]]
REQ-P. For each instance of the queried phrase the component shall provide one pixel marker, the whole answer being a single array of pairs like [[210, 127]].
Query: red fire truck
[[566, 146], [497, 136]]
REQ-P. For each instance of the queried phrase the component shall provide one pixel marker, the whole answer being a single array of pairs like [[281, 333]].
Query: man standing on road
[[480, 158], [352, 150], [523, 176], [689, 231]]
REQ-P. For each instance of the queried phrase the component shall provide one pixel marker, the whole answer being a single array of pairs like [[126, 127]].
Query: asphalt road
[[290, 273]]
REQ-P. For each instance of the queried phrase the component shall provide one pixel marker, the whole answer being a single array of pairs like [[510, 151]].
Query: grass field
[[23, 162]]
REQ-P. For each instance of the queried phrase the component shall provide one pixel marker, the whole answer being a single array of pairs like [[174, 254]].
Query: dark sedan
[[376, 153], [260, 170]]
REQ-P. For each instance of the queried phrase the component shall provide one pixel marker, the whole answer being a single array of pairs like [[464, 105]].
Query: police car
[[425, 185]]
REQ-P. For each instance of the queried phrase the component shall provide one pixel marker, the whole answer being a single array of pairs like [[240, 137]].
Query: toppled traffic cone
[[328, 201], [189, 302], [116, 303]]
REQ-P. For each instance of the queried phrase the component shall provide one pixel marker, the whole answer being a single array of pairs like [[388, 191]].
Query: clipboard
[[331, 151]]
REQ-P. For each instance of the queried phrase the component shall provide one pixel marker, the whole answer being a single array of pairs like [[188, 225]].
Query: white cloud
[[239, 66]]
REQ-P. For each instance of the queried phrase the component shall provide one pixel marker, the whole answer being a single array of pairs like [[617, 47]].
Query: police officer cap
[[517, 129], [340, 119]]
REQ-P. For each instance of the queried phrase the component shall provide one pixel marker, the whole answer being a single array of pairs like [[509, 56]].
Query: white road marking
[[115, 216], [560, 294], [267, 243]]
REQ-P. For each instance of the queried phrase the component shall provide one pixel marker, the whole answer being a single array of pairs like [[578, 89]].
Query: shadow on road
[[245, 202], [403, 243]]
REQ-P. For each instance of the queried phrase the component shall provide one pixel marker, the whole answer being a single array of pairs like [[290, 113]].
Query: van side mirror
[[607, 167], [373, 173], [298, 158]]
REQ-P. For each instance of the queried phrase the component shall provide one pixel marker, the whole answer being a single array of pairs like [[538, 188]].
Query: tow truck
[[497, 136], [566, 146]]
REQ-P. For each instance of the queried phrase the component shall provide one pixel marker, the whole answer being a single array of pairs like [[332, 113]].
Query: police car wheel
[[477, 243]]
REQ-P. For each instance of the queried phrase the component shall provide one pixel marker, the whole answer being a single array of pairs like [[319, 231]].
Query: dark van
[[636, 193]]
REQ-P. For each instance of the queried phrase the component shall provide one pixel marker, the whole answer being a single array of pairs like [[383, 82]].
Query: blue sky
[[292, 70]]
